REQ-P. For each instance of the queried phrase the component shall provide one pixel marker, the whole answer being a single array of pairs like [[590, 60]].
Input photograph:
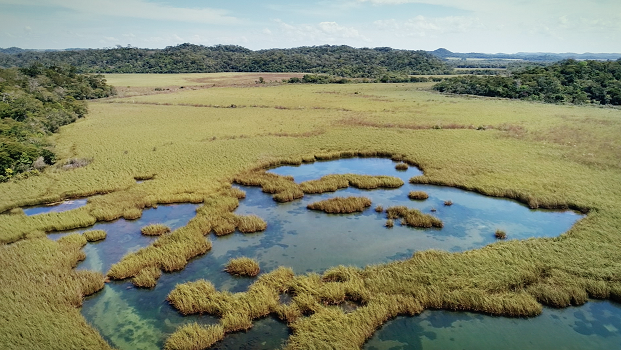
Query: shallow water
[[131, 318], [63, 206], [596, 325]]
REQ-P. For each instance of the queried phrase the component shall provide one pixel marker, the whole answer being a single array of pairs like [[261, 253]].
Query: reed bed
[[197, 154], [418, 195], [250, 224], [95, 235], [413, 217], [155, 230], [194, 336], [341, 205], [147, 277], [243, 267]]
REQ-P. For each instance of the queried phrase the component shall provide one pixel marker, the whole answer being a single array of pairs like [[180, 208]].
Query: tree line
[[343, 61], [567, 81], [34, 102]]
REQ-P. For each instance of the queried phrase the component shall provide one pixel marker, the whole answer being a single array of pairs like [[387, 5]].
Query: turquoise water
[[595, 325], [131, 318]]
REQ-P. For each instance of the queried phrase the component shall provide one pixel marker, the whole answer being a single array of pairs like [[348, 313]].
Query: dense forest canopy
[[567, 81], [342, 61], [34, 102]]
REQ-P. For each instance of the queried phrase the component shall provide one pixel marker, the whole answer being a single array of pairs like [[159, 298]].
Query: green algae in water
[[595, 325]]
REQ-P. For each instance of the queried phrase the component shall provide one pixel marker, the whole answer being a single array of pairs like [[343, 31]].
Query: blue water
[[131, 318], [63, 206]]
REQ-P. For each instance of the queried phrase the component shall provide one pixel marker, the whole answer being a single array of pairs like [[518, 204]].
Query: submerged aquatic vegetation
[[341, 205], [418, 195], [94, 235], [413, 217], [155, 230], [243, 266]]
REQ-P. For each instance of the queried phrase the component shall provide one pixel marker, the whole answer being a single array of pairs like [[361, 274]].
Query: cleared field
[[546, 155]]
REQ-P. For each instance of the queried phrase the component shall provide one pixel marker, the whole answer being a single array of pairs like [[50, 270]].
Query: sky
[[489, 26]]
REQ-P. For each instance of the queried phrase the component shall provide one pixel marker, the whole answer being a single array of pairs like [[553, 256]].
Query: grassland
[[543, 155]]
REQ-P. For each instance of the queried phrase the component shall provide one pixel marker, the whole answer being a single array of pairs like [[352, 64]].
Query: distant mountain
[[526, 56]]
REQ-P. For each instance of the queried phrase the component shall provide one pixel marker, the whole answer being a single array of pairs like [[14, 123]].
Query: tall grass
[[413, 217], [95, 235], [243, 267], [155, 230], [197, 154], [418, 195], [341, 205]]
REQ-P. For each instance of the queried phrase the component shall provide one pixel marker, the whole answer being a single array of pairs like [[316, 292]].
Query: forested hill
[[34, 102], [187, 58], [567, 81]]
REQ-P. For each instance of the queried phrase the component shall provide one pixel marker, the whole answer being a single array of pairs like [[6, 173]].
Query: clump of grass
[[418, 195], [500, 234], [401, 166], [147, 277], [341, 205], [379, 209], [94, 235], [243, 267], [132, 213], [155, 230], [389, 223], [448, 203], [194, 337], [250, 224], [17, 211], [413, 217]]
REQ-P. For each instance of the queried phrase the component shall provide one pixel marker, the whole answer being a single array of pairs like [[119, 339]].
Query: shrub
[[500, 234], [243, 267]]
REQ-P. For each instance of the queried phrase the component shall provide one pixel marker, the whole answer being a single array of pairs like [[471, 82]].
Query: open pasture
[[191, 144]]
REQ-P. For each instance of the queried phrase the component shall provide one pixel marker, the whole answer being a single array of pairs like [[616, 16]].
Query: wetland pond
[[311, 241]]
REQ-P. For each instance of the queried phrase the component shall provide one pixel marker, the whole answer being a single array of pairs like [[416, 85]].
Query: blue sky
[[458, 25]]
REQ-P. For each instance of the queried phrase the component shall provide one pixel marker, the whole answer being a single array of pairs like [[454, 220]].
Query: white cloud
[[326, 32], [421, 26], [135, 9]]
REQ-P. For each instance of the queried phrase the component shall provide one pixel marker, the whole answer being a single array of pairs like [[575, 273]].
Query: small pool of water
[[56, 208], [123, 236], [131, 318], [595, 325]]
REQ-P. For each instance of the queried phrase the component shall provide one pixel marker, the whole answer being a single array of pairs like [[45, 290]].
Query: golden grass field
[[194, 143]]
